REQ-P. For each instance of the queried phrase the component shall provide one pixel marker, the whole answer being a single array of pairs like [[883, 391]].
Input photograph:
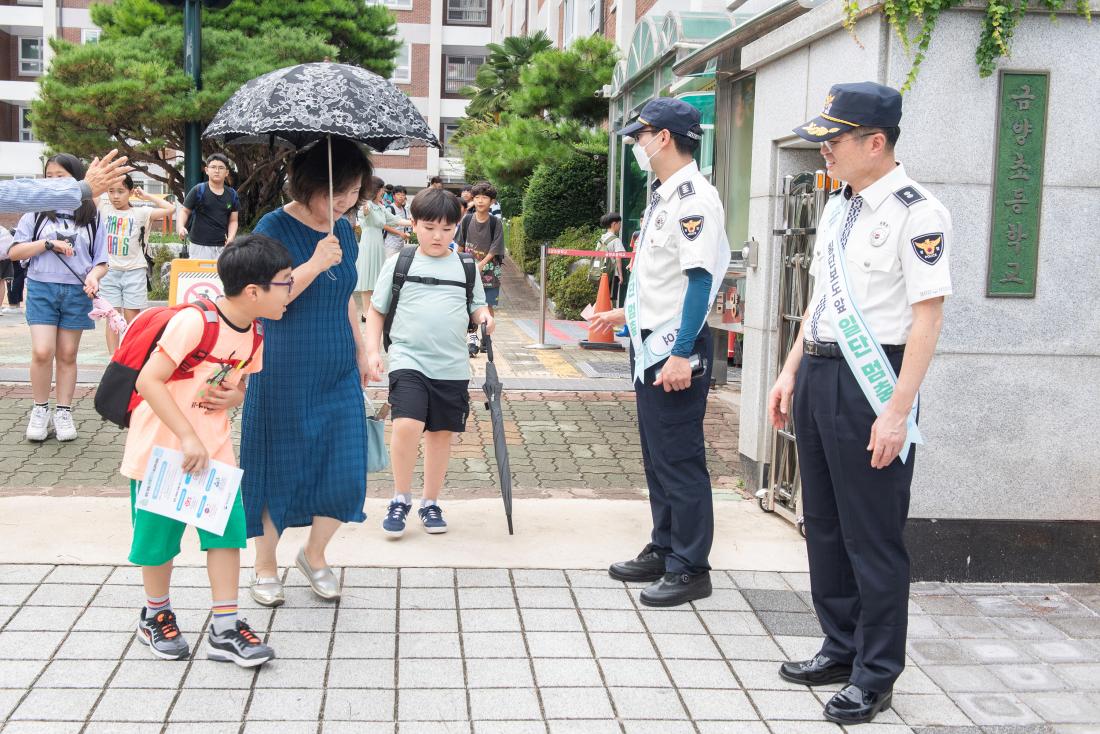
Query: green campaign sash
[[865, 357]]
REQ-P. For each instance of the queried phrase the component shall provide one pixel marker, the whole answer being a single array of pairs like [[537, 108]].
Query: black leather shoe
[[676, 588], [818, 671], [854, 705], [648, 566]]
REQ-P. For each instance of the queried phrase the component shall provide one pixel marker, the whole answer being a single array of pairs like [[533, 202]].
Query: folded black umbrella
[[493, 389]]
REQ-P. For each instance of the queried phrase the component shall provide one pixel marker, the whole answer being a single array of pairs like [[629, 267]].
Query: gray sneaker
[[239, 645], [163, 636]]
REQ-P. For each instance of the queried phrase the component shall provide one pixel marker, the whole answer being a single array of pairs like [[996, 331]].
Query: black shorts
[[441, 405]]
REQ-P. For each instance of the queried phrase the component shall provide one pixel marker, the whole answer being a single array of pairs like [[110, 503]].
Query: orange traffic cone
[[602, 338]]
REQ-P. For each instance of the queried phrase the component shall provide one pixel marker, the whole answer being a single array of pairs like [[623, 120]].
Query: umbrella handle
[[487, 341], [331, 224]]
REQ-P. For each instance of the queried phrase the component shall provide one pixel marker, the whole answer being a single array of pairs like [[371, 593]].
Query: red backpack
[[117, 396]]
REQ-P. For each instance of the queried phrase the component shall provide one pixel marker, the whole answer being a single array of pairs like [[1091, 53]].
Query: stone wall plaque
[[1017, 184]]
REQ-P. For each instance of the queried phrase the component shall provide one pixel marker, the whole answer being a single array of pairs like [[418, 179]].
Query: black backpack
[[401, 275]]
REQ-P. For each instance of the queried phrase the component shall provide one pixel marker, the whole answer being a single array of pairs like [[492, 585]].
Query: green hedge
[[568, 194], [510, 199], [523, 252], [572, 291]]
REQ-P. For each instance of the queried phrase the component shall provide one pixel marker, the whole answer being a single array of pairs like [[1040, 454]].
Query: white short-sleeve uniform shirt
[[897, 252], [684, 228]]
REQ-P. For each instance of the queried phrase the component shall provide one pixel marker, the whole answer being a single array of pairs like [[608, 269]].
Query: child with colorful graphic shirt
[[429, 367], [191, 415], [124, 285]]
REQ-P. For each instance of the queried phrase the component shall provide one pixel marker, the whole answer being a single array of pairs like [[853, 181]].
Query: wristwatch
[[49, 244]]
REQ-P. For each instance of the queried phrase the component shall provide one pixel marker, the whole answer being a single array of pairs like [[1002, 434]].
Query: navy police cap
[[848, 106], [666, 113]]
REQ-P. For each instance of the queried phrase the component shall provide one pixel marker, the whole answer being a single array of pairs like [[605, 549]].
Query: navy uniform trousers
[[855, 519], [674, 456]]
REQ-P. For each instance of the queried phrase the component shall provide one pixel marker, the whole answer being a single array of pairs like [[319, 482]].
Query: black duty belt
[[831, 350]]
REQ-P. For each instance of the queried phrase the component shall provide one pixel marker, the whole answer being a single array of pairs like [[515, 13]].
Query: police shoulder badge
[[692, 227], [685, 189], [908, 196], [929, 247]]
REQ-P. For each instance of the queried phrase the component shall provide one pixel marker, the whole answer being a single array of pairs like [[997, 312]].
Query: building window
[[26, 134], [393, 4], [151, 186], [30, 56], [568, 22], [468, 12], [593, 16], [402, 69], [89, 35], [459, 72], [449, 149]]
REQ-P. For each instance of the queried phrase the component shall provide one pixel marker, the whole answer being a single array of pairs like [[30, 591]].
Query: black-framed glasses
[[288, 283]]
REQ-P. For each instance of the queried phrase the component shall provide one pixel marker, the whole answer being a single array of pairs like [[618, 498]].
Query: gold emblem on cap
[[828, 103], [814, 129]]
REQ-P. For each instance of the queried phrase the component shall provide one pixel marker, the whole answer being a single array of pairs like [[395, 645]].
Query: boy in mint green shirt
[[429, 364]]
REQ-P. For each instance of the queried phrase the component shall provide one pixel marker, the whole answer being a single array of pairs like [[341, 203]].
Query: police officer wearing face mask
[[880, 272], [680, 259]]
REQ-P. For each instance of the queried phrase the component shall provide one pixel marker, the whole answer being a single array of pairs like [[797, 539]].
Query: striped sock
[[156, 604], [225, 616]]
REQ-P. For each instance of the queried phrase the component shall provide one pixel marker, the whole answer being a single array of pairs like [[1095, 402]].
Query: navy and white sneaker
[[394, 523], [432, 517], [239, 645], [162, 635]]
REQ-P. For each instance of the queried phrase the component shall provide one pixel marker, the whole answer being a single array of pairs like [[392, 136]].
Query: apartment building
[[443, 44], [25, 28]]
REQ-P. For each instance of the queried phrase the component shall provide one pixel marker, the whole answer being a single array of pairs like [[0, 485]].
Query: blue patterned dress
[[303, 434]]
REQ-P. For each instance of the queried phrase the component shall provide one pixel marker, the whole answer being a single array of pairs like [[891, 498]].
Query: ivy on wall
[[998, 24]]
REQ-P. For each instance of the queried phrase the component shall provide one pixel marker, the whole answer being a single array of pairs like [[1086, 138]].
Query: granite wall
[[1011, 405]]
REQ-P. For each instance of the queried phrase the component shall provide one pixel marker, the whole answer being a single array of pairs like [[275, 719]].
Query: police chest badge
[[929, 247], [660, 219], [879, 234], [691, 227]]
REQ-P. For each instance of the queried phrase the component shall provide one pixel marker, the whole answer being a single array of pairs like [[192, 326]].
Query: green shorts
[[157, 538]]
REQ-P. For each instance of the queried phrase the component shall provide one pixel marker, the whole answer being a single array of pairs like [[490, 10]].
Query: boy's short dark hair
[[610, 218], [467, 187], [435, 180], [399, 190], [307, 175], [251, 259], [437, 205], [217, 157], [484, 189]]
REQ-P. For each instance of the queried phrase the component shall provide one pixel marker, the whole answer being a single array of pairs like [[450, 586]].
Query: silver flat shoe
[[267, 591], [323, 581]]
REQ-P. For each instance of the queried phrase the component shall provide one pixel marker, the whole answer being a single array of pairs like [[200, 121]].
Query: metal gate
[[803, 200]]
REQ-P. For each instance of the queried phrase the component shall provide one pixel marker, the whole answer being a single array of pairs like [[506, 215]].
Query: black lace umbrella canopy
[[303, 104]]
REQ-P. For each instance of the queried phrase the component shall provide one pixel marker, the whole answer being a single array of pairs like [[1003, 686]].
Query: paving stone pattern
[[561, 444], [496, 650]]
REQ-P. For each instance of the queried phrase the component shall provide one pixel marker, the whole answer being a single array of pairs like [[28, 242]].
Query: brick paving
[[561, 444], [529, 650]]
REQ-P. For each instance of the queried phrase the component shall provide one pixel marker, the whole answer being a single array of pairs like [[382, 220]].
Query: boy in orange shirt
[[192, 416]]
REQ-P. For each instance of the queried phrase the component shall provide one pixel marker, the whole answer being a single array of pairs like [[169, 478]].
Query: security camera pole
[[192, 65]]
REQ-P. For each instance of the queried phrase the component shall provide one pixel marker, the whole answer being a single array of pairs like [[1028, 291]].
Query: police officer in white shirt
[[679, 262], [880, 273]]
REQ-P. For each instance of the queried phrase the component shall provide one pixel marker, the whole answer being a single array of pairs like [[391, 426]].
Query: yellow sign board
[[190, 280]]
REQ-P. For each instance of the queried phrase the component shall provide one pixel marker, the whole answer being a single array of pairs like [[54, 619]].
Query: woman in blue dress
[[303, 434]]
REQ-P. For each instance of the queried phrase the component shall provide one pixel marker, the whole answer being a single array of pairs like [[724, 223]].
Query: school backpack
[[117, 396], [401, 275], [198, 201]]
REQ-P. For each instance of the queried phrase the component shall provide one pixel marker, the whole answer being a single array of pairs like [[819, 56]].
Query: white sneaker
[[38, 427], [63, 425], [5, 310]]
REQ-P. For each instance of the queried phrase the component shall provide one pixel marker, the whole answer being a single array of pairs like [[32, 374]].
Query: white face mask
[[645, 162]]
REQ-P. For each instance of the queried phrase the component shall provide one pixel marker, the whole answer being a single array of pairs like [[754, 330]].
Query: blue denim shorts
[[492, 295], [64, 305]]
